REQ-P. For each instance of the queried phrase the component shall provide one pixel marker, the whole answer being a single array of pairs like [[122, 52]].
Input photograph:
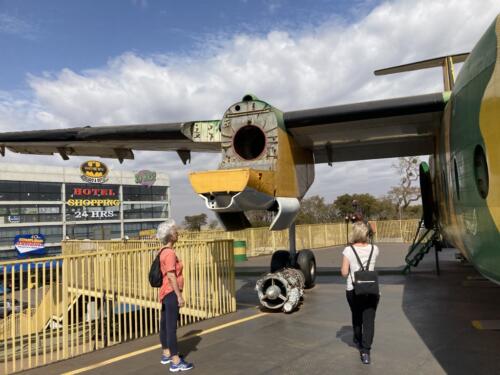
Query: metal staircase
[[424, 240]]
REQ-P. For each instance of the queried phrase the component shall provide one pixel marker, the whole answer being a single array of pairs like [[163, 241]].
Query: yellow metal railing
[[97, 294], [261, 241]]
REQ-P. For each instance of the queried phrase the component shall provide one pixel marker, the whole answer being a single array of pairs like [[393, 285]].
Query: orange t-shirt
[[170, 263]]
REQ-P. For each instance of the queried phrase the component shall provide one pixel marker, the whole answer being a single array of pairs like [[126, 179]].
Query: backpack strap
[[369, 259], [357, 257]]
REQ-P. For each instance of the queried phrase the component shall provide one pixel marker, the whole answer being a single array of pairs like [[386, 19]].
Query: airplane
[[268, 156]]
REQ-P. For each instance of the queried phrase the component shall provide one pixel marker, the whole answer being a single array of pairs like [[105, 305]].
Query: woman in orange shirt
[[170, 297]]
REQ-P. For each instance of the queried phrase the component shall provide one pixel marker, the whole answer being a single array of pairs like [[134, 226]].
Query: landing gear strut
[[291, 273]]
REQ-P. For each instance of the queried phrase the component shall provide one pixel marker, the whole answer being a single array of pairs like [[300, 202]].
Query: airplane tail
[[446, 62]]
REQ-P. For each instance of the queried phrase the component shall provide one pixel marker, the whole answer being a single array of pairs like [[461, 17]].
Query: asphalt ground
[[423, 326]]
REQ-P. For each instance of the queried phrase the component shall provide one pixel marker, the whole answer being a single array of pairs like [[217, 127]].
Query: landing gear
[[307, 264], [291, 273], [280, 260], [304, 261]]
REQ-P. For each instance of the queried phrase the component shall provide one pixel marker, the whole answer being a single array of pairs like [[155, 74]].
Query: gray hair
[[359, 232], [164, 231]]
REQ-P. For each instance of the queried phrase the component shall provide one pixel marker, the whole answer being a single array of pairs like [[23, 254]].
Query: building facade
[[89, 202]]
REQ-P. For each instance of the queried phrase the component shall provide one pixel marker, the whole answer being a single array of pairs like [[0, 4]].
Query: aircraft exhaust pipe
[[281, 290]]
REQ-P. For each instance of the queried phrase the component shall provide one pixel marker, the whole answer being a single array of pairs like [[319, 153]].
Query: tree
[[385, 209], [214, 224], [259, 218], [406, 192], [367, 204], [195, 222], [314, 210]]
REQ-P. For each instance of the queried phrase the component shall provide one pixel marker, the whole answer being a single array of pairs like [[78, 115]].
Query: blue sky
[[86, 62], [47, 36]]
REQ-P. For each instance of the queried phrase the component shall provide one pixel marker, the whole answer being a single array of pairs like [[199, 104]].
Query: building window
[[93, 231], [145, 211], [53, 234], [144, 193], [30, 191], [13, 214], [132, 230]]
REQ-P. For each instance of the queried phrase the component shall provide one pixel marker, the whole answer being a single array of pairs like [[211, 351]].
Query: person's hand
[[180, 300]]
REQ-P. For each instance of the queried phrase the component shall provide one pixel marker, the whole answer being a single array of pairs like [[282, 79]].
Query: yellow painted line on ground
[[154, 347]]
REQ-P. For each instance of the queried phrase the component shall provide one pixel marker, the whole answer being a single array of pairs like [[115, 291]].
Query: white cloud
[[13, 25], [326, 65]]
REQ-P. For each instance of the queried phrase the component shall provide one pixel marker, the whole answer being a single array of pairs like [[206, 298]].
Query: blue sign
[[30, 244]]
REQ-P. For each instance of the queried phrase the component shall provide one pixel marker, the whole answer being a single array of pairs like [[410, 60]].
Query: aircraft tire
[[307, 264], [279, 260], [427, 195]]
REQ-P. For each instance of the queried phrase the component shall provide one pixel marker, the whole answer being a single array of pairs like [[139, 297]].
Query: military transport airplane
[[268, 156]]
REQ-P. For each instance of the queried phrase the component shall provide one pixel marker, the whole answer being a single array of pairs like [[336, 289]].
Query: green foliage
[[367, 203], [259, 218], [195, 222], [315, 210], [214, 224]]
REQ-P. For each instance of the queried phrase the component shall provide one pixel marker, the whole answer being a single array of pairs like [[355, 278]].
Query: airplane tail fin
[[446, 62]]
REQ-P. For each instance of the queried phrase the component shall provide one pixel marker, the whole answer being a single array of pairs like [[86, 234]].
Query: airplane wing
[[116, 141], [370, 130]]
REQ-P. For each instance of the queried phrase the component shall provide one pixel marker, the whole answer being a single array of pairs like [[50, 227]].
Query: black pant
[[363, 318], [168, 323]]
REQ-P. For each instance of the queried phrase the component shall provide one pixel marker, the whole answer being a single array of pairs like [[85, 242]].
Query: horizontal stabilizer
[[445, 62], [424, 64]]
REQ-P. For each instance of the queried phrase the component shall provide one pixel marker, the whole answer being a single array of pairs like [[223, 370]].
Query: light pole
[[400, 223]]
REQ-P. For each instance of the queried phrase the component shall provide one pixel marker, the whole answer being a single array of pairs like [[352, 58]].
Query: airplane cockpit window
[[481, 172]]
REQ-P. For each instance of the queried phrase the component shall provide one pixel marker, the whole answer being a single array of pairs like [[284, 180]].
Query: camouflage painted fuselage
[[467, 159]]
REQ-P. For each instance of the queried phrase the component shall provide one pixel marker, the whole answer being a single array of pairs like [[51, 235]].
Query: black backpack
[[365, 282], [155, 275]]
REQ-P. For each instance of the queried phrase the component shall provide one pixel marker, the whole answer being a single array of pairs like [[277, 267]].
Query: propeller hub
[[273, 292]]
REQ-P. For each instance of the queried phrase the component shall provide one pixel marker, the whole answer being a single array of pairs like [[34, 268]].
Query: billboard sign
[[91, 203], [145, 178], [94, 172], [30, 244]]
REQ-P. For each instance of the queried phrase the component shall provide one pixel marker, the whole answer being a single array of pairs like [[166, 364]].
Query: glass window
[[144, 193], [145, 211], [93, 231], [12, 214], [28, 190], [53, 234], [132, 230]]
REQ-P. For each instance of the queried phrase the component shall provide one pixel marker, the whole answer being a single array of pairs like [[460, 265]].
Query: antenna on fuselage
[[446, 62]]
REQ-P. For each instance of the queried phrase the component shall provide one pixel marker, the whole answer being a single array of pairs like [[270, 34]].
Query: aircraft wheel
[[280, 260], [307, 264]]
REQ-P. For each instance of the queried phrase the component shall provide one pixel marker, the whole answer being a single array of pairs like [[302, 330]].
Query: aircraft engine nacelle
[[262, 168], [281, 290]]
